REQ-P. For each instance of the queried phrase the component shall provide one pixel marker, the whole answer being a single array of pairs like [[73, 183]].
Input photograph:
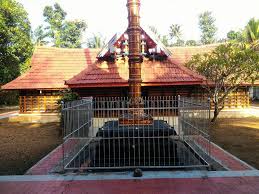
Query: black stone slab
[[132, 152], [158, 128]]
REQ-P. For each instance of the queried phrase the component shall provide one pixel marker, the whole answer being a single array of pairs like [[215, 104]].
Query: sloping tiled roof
[[51, 67], [181, 55], [169, 72], [153, 73]]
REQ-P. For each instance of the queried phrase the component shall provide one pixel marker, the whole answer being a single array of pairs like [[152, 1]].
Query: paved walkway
[[8, 114], [253, 111], [48, 164], [245, 182]]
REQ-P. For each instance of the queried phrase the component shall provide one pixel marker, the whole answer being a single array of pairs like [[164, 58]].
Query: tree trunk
[[216, 112]]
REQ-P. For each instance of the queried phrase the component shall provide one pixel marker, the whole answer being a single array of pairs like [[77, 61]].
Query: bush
[[68, 96], [9, 98]]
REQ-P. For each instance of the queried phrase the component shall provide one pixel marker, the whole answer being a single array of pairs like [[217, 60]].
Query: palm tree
[[164, 40], [154, 30], [252, 32], [97, 41], [175, 31], [39, 36]]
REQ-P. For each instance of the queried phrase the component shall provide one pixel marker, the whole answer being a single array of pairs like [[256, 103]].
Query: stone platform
[[196, 182]]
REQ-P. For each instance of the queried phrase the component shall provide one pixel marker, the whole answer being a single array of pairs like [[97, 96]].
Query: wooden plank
[[25, 107], [31, 102]]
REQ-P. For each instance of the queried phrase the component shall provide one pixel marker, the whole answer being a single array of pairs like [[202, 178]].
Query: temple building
[[105, 72]]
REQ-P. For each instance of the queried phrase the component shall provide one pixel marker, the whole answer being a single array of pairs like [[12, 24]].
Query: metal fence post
[[208, 125], [63, 132]]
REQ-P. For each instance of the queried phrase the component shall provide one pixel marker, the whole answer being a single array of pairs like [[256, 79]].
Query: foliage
[[15, 40], [154, 30], [252, 32], [175, 31], [65, 34], [8, 98], [25, 66], [68, 95], [163, 38], [179, 42], [249, 36], [175, 34], [96, 41], [72, 33], [207, 27], [225, 69], [232, 35], [55, 18], [222, 40], [191, 43], [40, 36], [235, 35]]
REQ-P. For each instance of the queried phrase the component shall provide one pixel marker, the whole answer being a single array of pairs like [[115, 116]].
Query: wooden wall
[[36, 102], [237, 99], [33, 101]]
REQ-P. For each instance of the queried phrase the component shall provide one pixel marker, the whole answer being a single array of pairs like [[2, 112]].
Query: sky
[[110, 16]]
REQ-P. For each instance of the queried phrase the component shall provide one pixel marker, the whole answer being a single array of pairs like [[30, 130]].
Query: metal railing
[[94, 138]]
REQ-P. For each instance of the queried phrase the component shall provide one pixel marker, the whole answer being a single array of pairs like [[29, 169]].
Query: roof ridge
[[198, 46], [58, 48], [99, 49]]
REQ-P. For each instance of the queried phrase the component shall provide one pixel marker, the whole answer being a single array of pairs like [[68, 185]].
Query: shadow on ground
[[239, 136], [23, 145]]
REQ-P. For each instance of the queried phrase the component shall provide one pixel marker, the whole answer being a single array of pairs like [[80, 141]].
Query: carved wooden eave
[[150, 39]]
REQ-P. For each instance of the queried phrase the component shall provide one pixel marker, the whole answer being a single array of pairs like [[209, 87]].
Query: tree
[[179, 42], [154, 30], [207, 27], [15, 40], [163, 38], [252, 32], [40, 36], [96, 41], [72, 34], [63, 33], [236, 35], [55, 18], [191, 43], [225, 69], [232, 35], [175, 34], [175, 31]]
